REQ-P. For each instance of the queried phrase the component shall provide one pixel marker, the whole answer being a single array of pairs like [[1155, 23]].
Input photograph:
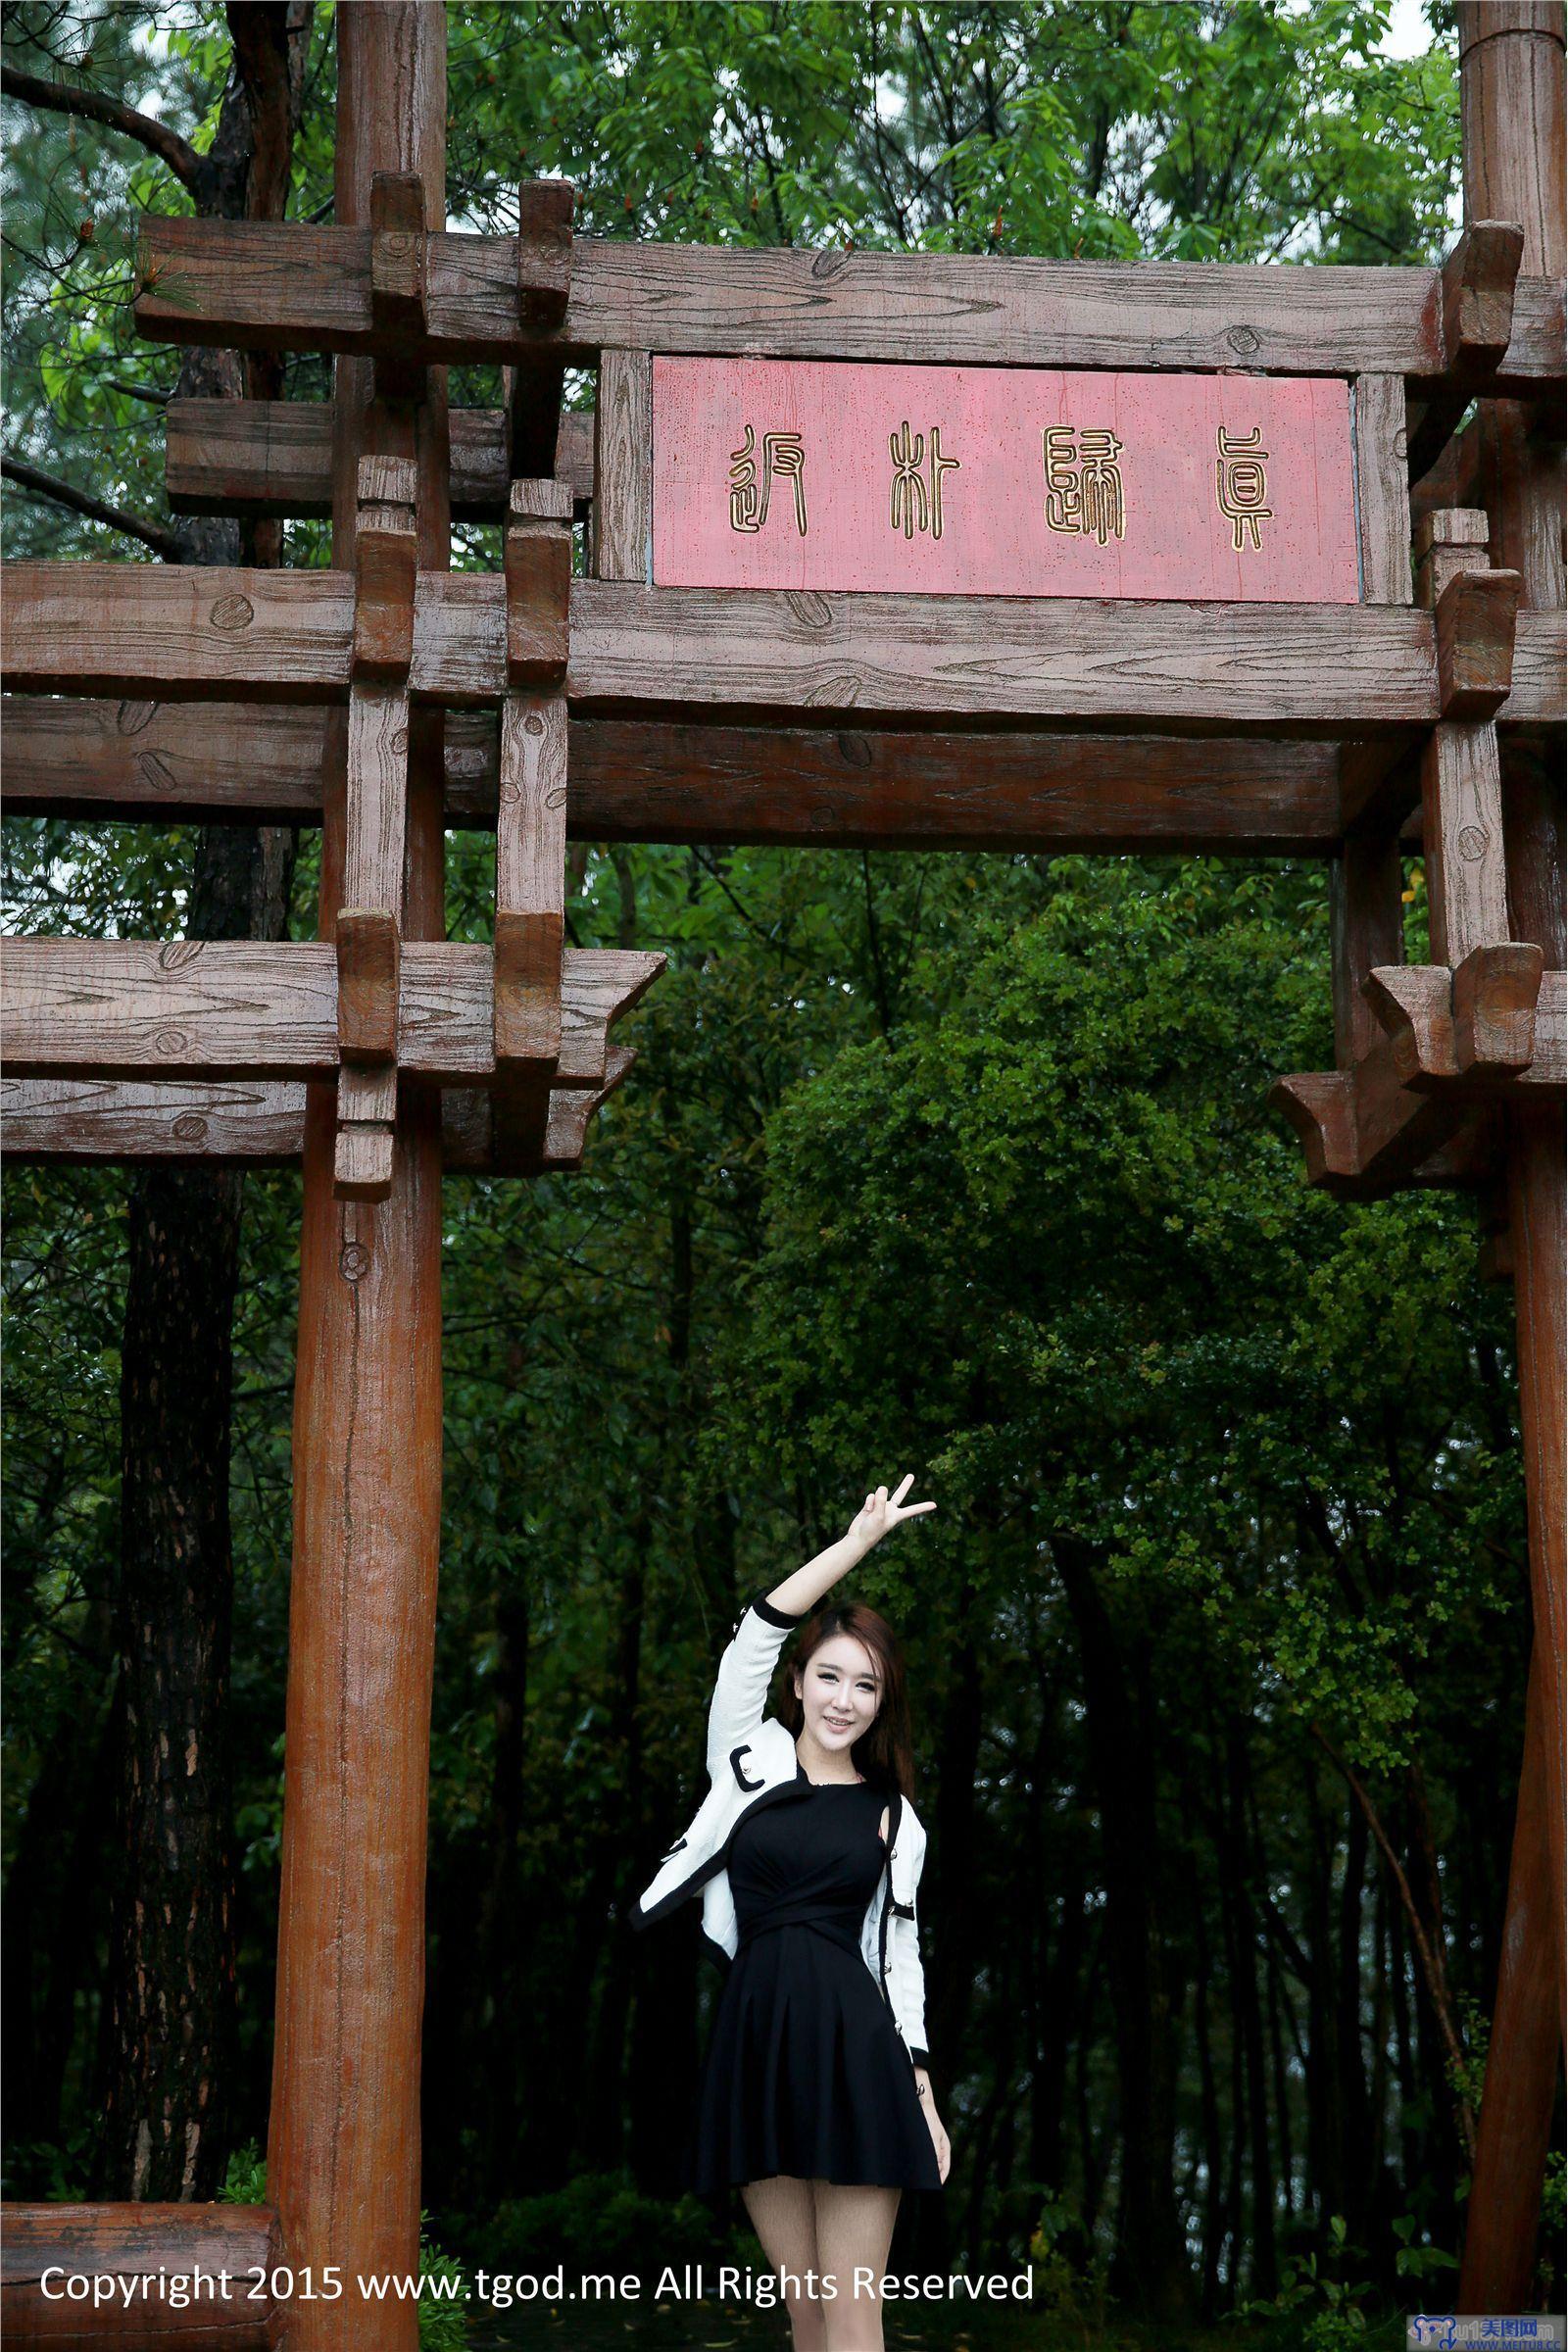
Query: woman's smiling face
[[838, 1692]]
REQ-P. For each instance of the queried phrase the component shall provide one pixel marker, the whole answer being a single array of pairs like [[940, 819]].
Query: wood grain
[[1461, 817], [1383, 493], [1366, 928], [630, 781], [130, 2247], [256, 1122], [237, 1008], [294, 287], [1311, 668], [623, 468], [274, 457], [161, 632]]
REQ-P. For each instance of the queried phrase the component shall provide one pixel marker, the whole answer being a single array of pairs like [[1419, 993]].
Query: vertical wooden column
[[1511, 85], [343, 2151]]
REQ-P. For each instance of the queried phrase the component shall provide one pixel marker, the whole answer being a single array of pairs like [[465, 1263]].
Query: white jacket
[[751, 1761]]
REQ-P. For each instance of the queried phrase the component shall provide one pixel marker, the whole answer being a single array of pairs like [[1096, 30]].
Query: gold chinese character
[[1241, 485], [1083, 482], [783, 457], [911, 508]]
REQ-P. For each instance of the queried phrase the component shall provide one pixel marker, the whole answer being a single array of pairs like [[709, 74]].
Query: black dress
[[806, 2073]]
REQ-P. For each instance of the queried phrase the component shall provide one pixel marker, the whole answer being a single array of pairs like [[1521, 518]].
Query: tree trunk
[[169, 2001]]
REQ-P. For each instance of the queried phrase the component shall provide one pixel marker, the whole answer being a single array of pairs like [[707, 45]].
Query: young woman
[[816, 2099]]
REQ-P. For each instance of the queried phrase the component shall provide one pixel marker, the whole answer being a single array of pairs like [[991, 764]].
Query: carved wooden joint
[[399, 254], [544, 251], [1495, 995], [1495, 1024], [368, 973], [1448, 541], [369, 984], [1476, 615], [1476, 296], [538, 569], [386, 550]]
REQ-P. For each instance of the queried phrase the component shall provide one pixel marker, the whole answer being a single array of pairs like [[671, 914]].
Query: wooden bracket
[[1477, 615], [369, 950], [399, 256], [1494, 1024], [1475, 321], [1476, 296], [1496, 991], [538, 569], [386, 550], [544, 251], [1449, 540]]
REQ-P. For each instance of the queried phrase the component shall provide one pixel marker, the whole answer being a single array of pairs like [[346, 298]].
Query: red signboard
[[992, 482]]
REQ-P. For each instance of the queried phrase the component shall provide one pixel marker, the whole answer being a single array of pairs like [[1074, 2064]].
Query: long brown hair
[[884, 1753]]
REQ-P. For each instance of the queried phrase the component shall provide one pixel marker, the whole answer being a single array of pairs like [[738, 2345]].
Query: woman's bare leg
[[854, 2231], [784, 2217]]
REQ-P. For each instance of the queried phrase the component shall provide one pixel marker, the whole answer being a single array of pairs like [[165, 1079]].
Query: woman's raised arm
[[800, 1592]]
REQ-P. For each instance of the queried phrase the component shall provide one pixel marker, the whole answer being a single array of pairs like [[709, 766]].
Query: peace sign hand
[[883, 1510]]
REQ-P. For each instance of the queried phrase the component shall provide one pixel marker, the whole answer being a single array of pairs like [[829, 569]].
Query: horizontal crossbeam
[[631, 780], [274, 457], [163, 632], [292, 288], [240, 1009], [259, 1121]]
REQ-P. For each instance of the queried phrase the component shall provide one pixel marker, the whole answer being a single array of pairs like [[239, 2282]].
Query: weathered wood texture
[[255, 1122], [1382, 489], [630, 781], [848, 658], [149, 632], [233, 1008], [301, 288], [343, 2136], [1512, 122], [1461, 806], [1366, 928], [274, 457], [129, 2249], [623, 468]]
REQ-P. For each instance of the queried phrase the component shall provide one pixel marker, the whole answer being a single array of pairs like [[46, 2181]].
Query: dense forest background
[[947, 1162]]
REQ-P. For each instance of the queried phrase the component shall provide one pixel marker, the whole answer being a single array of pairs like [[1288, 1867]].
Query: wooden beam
[[630, 781], [274, 457], [295, 287], [125, 2251], [164, 632], [237, 1008], [1366, 928], [544, 251], [1382, 489], [255, 1122], [623, 468], [1461, 809], [1305, 668]]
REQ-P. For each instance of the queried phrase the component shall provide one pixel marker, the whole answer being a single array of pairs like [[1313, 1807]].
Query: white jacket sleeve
[[907, 1986], [739, 1702]]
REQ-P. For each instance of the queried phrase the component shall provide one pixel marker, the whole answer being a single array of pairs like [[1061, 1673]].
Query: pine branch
[[97, 509], [96, 106]]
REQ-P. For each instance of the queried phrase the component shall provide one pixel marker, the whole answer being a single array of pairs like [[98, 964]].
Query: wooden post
[[343, 2151], [1511, 85]]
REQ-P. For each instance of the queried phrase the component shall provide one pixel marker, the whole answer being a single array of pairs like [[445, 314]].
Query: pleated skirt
[[807, 2073]]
